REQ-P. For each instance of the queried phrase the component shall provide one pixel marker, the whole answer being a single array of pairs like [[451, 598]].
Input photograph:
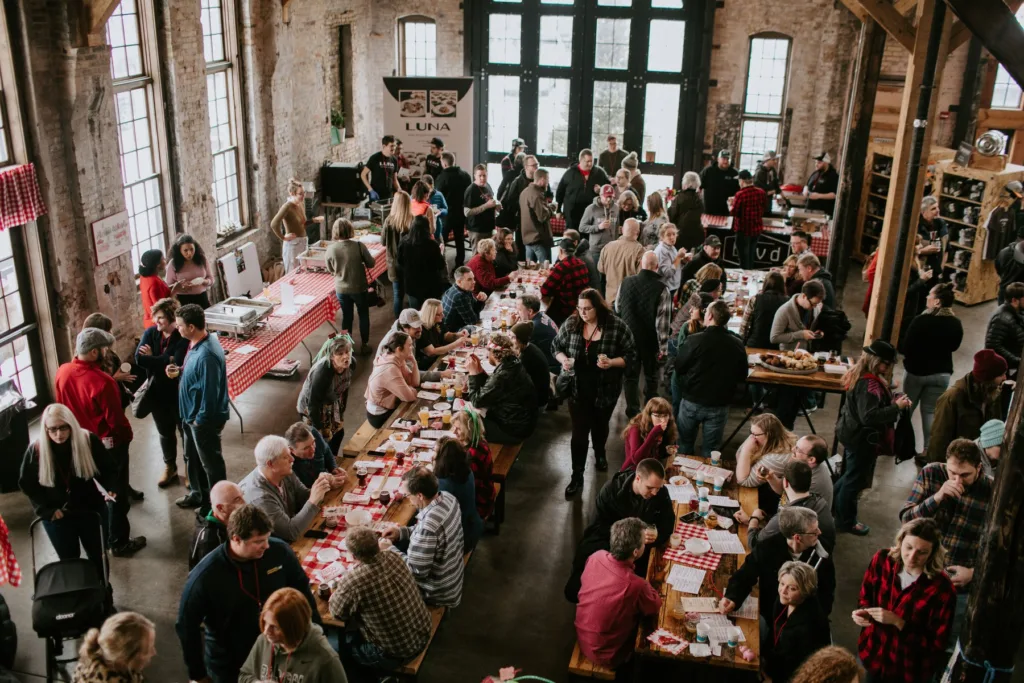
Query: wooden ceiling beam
[[904, 6], [1000, 118], [894, 23], [99, 11], [995, 25], [857, 10]]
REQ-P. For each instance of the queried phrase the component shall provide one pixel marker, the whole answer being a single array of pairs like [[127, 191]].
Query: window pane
[[665, 49], [670, 4], [420, 49], [553, 116], [502, 112], [213, 30], [225, 189], [505, 38], [615, 3], [556, 41], [557, 2], [124, 40], [661, 119], [609, 110], [657, 183], [554, 176], [1006, 93], [612, 49], [756, 138], [766, 75]]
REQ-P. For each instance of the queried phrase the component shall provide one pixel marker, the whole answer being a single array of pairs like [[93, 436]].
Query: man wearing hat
[[710, 252], [991, 444], [822, 186], [410, 323], [577, 188], [972, 401], [600, 222], [766, 177], [748, 207], [95, 400], [718, 183], [432, 164]]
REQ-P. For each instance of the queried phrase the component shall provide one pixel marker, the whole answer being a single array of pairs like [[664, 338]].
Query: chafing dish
[[237, 316]]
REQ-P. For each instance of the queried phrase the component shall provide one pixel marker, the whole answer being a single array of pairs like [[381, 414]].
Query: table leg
[[807, 416], [303, 342], [746, 418], [241, 424]]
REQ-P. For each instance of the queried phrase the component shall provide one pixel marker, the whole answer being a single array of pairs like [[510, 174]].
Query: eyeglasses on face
[[756, 435], [62, 429], [584, 309]]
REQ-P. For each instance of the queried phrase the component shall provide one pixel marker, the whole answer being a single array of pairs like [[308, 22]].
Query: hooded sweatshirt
[[590, 225], [313, 661], [389, 383]]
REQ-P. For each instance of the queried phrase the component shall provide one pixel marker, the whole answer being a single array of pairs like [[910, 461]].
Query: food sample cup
[[675, 540], [719, 483], [704, 507], [702, 492]]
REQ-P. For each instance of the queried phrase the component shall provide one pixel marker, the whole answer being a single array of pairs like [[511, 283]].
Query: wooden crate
[[953, 187]]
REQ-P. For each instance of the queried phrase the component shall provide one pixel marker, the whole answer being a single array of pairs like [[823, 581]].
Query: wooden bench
[[359, 440], [583, 667], [412, 669], [503, 457]]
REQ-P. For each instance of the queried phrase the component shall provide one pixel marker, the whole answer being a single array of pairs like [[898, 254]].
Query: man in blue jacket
[[226, 592], [203, 405]]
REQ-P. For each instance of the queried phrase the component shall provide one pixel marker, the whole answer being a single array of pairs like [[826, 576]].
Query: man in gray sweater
[[274, 488], [792, 323]]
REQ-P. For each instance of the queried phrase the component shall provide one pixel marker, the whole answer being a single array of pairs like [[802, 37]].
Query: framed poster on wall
[[416, 110], [111, 237]]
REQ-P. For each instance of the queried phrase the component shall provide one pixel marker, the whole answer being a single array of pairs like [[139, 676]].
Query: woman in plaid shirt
[[594, 346], [906, 607]]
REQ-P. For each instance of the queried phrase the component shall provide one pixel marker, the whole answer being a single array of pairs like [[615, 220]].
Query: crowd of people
[[629, 294]]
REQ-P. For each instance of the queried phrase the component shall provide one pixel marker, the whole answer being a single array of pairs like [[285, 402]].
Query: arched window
[[764, 102], [417, 46]]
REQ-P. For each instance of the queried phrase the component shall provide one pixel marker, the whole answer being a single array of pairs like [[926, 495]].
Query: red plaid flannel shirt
[[568, 277], [913, 654], [747, 210]]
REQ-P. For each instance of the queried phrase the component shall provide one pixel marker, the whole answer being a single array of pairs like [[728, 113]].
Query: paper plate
[[328, 555], [696, 546], [679, 481], [443, 405]]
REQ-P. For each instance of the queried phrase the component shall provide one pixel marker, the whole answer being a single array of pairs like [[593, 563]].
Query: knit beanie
[[991, 434], [987, 366]]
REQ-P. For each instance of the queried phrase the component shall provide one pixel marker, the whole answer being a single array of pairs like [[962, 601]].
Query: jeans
[[439, 231], [858, 472], [361, 302], [648, 360], [364, 661], [120, 528], [291, 249], [204, 461], [78, 527], [399, 292], [925, 390], [746, 249], [168, 425], [589, 423], [693, 415], [538, 253]]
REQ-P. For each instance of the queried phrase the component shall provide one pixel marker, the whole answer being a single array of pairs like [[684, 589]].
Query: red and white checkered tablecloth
[[281, 333], [380, 265], [819, 240], [708, 561], [20, 199]]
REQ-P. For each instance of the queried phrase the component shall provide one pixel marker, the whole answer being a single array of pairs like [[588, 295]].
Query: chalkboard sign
[[963, 154]]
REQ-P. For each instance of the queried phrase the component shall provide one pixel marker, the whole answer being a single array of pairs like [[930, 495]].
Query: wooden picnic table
[[657, 574], [819, 381]]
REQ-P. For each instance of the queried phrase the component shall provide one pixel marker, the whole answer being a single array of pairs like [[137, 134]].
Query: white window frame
[[149, 80], [757, 117], [404, 60], [229, 66]]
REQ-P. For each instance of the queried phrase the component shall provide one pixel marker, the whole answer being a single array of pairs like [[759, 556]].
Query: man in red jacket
[[747, 210], [95, 400]]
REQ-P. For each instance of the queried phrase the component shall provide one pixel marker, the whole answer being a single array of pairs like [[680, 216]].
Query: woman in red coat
[[482, 265], [650, 434], [151, 285]]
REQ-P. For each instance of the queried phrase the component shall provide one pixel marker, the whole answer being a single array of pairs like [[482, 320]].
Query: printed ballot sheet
[[725, 543], [686, 579], [748, 610], [699, 604]]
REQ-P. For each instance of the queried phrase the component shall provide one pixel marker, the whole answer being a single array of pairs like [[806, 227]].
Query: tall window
[[764, 103], [5, 148], [1006, 94], [137, 131], [417, 46], [222, 101]]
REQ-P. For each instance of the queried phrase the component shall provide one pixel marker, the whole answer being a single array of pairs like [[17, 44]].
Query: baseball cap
[[769, 155], [437, 142], [92, 338], [1015, 187], [744, 175], [725, 153], [518, 142], [607, 191], [712, 241], [410, 317], [824, 157]]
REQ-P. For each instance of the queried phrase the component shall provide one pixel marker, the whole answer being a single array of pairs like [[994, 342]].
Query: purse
[[140, 405]]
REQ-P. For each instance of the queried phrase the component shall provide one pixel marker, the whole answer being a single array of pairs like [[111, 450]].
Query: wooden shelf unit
[[966, 198], [874, 196]]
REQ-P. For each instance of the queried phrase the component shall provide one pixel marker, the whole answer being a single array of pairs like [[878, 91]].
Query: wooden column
[[890, 230], [994, 622]]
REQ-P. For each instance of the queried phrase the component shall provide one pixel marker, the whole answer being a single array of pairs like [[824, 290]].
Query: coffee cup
[[675, 540]]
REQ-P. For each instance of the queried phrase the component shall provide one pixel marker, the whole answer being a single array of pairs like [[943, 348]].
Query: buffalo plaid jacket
[[616, 341], [961, 519], [915, 653], [747, 211], [568, 277]]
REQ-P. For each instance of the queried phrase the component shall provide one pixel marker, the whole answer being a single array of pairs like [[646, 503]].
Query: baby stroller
[[67, 601]]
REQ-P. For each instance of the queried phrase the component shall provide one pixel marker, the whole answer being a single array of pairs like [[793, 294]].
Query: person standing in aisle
[[578, 188], [766, 177], [432, 164], [188, 275], [151, 285], [452, 183], [511, 165], [480, 207], [396, 226], [535, 215], [822, 186], [718, 183], [292, 216], [748, 207], [645, 304], [610, 160], [380, 172]]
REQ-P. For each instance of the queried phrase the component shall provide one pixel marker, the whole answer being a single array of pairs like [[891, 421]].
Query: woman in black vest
[[756, 329]]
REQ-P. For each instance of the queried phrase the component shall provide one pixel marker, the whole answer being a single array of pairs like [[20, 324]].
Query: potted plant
[[337, 124]]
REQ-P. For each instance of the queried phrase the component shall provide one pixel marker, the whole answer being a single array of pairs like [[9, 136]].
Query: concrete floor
[[512, 611]]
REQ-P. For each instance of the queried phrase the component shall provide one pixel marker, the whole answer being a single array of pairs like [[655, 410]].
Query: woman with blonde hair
[[792, 276], [482, 265], [396, 225], [292, 216], [798, 628], [906, 607], [763, 455], [651, 433], [831, 664], [118, 651], [468, 430], [866, 429], [434, 341], [290, 646], [507, 393], [629, 207], [57, 475], [656, 217]]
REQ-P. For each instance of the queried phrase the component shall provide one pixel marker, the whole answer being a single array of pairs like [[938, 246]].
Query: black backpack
[[834, 326]]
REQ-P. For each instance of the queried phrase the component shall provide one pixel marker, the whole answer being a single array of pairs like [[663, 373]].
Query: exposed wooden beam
[[858, 11], [961, 34], [284, 11], [904, 6], [993, 22], [1000, 118], [99, 12], [894, 23]]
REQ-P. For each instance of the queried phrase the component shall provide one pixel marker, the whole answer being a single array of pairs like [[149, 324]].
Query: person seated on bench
[[633, 493], [460, 306], [454, 476], [612, 597], [312, 455], [468, 429], [796, 483], [507, 393], [211, 532], [433, 548], [409, 321], [435, 341], [380, 595], [534, 361], [395, 378], [273, 487]]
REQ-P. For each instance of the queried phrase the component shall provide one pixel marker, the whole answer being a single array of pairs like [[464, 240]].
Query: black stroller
[[68, 600]]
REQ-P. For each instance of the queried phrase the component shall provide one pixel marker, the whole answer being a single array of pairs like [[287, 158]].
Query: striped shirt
[[435, 551]]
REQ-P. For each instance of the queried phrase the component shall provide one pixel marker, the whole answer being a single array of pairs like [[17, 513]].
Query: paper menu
[[719, 625], [725, 543], [247, 348], [680, 494], [723, 501], [423, 443], [748, 610], [303, 299], [687, 463], [428, 395], [399, 446], [434, 433], [699, 604], [686, 579]]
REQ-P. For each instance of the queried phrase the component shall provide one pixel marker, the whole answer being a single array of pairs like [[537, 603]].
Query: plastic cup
[[702, 492], [704, 507], [450, 394], [424, 417], [446, 417], [675, 540], [173, 371], [719, 483], [716, 457], [698, 478], [703, 631], [733, 635]]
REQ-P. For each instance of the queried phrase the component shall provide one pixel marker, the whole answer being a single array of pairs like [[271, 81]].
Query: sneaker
[[135, 494], [575, 485], [858, 529], [188, 501], [169, 477], [132, 546], [365, 349], [601, 463]]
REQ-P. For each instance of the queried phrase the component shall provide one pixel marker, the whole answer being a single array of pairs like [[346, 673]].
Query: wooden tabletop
[[819, 381], [657, 572]]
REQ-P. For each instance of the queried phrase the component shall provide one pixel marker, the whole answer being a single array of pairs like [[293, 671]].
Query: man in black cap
[[821, 187], [432, 164], [766, 176], [718, 183], [711, 252]]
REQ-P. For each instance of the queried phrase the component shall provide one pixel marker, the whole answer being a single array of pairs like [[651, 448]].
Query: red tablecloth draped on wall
[[20, 199]]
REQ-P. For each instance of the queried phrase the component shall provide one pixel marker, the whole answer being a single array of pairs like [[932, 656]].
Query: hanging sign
[[112, 236], [416, 110]]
